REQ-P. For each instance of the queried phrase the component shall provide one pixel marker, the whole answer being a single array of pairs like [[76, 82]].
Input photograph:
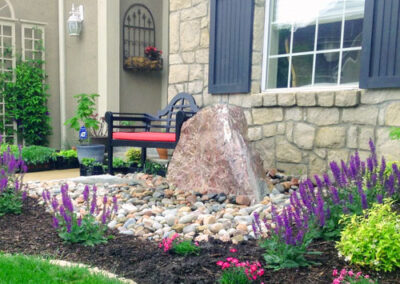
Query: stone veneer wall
[[299, 131]]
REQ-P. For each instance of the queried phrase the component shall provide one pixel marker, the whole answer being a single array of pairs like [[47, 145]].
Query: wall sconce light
[[75, 21]]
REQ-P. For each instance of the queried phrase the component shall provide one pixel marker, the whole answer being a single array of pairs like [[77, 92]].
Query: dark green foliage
[[186, 248], [26, 101], [280, 255], [90, 233], [119, 163], [10, 202], [88, 162], [154, 168], [234, 275], [68, 154], [38, 155]]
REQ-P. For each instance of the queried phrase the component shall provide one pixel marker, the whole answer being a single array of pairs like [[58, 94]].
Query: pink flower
[[334, 273], [220, 263], [350, 273], [366, 276], [225, 265], [235, 261], [254, 277], [260, 272], [253, 268], [233, 250], [160, 245], [229, 259], [196, 243], [358, 275], [336, 281]]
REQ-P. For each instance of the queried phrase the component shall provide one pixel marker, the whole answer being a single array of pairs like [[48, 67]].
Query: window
[[32, 42], [312, 43]]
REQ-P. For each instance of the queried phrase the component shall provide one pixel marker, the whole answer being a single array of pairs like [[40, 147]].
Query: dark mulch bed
[[31, 233]]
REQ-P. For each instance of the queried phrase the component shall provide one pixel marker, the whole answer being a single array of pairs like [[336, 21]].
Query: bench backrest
[[181, 102]]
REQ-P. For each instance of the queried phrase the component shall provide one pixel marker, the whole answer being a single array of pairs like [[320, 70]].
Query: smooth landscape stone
[[190, 228], [187, 219], [224, 162], [112, 224]]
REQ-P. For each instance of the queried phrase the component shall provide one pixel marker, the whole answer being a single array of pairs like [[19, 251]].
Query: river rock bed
[[152, 209]]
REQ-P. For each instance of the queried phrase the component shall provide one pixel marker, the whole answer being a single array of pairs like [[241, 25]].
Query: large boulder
[[214, 155]]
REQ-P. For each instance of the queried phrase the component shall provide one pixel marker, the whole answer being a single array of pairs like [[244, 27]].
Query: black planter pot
[[134, 167], [122, 170], [84, 171], [97, 170]]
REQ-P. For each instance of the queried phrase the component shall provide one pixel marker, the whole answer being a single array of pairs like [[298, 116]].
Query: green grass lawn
[[23, 269]]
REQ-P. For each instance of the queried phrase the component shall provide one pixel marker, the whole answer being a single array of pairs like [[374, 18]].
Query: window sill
[[309, 97]]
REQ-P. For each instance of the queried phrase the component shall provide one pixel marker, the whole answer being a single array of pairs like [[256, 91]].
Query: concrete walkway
[[51, 175]]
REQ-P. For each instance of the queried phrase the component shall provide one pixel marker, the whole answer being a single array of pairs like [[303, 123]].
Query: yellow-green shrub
[[133, 155], [372, 239]]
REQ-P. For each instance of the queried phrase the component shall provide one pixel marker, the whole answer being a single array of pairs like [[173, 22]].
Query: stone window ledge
[[320, 98]]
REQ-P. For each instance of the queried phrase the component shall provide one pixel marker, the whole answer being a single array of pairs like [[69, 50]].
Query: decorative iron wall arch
[[139, 31]]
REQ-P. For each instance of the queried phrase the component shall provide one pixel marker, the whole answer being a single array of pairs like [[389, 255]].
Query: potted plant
[[120, 165], [133, 159], [67, 159], [83, 121], [86, 166], [152, 53]]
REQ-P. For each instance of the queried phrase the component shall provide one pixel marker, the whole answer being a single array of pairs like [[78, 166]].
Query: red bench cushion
[[145, 136]]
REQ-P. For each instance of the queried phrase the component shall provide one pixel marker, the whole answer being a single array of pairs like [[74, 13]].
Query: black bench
[[160, 131]]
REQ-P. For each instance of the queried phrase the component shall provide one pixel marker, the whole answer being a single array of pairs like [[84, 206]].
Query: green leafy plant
[[85, 229], [38, 155], [14, 149], [186, 248], [119, 163], [395, 133], [10, 202], [234, 275], [372, 239], [26, 101], [279, 255], [85, 114], [88, 162], [154, 168], [68, 154], [133, 155]]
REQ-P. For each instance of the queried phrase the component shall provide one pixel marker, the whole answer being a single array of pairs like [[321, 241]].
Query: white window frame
[[266, 57], [11, 24], [33, 27]]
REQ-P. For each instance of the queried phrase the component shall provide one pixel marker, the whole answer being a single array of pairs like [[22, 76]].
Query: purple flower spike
[[115, 204], [335, 195], [327, 180], [94, 203], [79, 221], [379, 198], [24, 194], [105, 199], [86, 193], [382, 170], [55, 222], [54, 204], [336, 173], [390, 185]]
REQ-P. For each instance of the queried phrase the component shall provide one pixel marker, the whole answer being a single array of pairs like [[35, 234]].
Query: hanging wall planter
[[142, 64]]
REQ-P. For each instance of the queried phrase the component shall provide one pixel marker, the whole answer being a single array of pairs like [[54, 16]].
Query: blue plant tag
[[83, 135]]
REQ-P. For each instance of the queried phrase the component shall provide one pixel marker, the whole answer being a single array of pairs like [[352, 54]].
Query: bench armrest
[[181, 117]]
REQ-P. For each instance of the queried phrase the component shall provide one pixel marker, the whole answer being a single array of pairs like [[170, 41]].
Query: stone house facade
[[299, 130]]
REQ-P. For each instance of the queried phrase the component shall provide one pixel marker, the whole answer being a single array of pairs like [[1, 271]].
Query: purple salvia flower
[[319, 183], [105, 199], [17, 185], [353, 170], [253, 226], [369, 184], [3, 173], [94, 203], [379, 198], [304, 197], [373, 152], [44, 196], [24, 194], [370, 165], [48, 197], [257, 220], [357, 161], [79, 221], [115, 204], [345, 170], [374, 180], [335, 195], [364, 202], [55, 222], [336, 172], [363, 168], [382, 170], [351, 198], [86, 193], [327, 180], [390, 185], [320, 210], [54, 204]]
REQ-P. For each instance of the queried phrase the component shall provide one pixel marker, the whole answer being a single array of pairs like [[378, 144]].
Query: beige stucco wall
[[45, 11], [298, 131], [142, 91], [81, 59]]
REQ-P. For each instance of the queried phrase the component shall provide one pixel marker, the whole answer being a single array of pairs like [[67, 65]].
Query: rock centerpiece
[[214, 155]]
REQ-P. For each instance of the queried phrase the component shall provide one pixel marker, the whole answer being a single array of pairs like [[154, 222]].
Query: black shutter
[[231, 36], [380, 57]]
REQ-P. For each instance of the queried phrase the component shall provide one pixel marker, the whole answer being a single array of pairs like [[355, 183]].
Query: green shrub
[[88, 162], [10, 202], [234, 275], [38, 154], [186, 248], [372, 239], [13, 149], [133, 155], [68, 154], [155, 168], [119, 163]]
